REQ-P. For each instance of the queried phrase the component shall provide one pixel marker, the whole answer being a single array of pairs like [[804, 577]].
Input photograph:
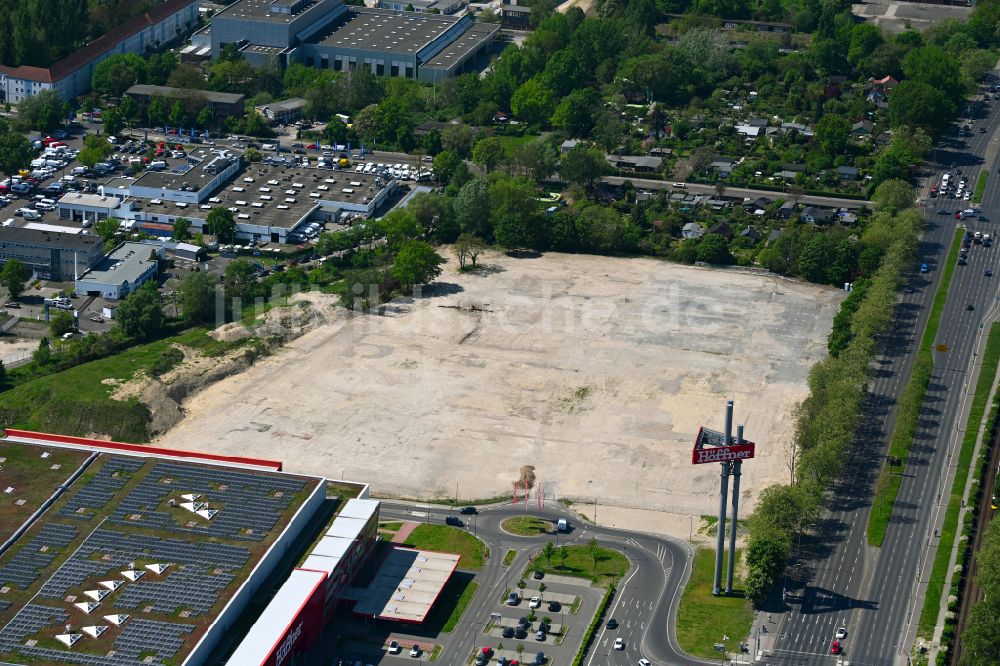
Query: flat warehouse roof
[[89, 200], [150, 548], [359, 508], [346, 528], [274, 622], [385, 30], [406, 585], [260, 10], [189, 170], [332, 546], [128, 262], [469, 41]]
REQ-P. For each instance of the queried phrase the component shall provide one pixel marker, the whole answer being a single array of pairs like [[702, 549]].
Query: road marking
[[419, 514]]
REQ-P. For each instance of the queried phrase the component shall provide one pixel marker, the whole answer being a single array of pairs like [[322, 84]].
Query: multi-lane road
[[840, 581], [645, 605]]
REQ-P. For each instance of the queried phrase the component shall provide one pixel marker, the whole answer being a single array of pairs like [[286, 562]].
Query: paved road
[[645, 606], [697, 188], [875, 593]]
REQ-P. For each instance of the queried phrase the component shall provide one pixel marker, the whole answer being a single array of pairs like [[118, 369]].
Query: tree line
[[828, 419]]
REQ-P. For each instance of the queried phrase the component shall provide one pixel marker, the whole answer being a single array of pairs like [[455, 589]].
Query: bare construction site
[[596, 372]]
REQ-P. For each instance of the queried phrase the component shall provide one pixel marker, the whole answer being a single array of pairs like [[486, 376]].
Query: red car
[[835, 648], [312, 146], [487, 651], [171, 131]]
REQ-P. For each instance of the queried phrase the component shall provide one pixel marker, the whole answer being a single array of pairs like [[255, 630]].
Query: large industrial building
[[71, 76], [125, 269], [269, 200], [53, 251], [124, 555], [332, 35]]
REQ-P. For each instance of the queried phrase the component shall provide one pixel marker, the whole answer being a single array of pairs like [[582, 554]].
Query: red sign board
[[718, 454]]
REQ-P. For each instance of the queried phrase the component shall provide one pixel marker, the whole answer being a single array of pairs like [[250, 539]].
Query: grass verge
[[977, 195], [910, 406], [703, 619], [609, 567], [939, 572], [595, 623], [509, 557], [526, 525], [458, 608], [445, 539]]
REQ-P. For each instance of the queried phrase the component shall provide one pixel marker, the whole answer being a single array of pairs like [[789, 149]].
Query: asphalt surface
[[840, 581], [645, 605]]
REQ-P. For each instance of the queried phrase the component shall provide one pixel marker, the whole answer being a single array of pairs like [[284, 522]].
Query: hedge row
[[588, 637]]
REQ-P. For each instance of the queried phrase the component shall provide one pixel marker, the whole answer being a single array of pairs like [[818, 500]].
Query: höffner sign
[[717, 454]]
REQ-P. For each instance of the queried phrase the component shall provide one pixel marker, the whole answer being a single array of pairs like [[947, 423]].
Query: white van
[[28, 213], [158, 165], [562, 525]]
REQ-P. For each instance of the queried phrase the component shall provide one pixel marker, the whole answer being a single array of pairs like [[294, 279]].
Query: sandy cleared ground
[[596, 371], [16, 349]]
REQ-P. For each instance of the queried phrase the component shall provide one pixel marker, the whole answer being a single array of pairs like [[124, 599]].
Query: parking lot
[[548, 630]]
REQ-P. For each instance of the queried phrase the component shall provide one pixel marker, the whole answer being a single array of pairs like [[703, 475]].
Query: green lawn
[[910, 406], [77, 401], [611, 564], [977, 195], [33, 480], [939, 572], [526, 525], [446, 539], [703, 619], [390, 525], [512, 142], [459, 606]]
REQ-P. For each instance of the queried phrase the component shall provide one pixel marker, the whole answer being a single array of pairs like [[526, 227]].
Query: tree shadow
[[524, 254]]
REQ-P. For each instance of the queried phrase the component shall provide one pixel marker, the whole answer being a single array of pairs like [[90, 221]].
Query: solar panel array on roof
[[250, 502], [23, 569], [102, 487], [134, 645], [116, 550]]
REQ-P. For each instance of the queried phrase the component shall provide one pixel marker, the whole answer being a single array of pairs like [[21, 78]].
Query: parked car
[[538, 574], [535, 602], [508, 632], [835, 648], [394, 647], [513, 599], [841, 633], [555, 606], [415, 651]]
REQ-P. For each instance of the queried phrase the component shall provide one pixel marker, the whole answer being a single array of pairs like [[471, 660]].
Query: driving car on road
[[619, 643], [469, 510], [454, 520]]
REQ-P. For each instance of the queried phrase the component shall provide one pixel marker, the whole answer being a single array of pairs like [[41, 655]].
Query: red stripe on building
[[275, 465]]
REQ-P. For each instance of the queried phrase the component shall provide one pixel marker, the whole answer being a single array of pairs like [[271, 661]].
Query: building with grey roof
[[284, 111], [57, 251], [120, 273], [221, 104], [331, 35]]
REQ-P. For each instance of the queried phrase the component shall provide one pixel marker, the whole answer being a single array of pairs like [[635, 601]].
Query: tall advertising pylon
[[714, 446]]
